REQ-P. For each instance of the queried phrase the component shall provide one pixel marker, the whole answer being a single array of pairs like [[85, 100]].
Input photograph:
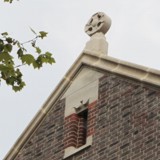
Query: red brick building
[[103, 109]]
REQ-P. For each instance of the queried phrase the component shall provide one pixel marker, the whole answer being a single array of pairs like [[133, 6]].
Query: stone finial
[[96, 28], [99, 22]]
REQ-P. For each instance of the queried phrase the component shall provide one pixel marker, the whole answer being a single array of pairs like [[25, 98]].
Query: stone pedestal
[[96, 28]]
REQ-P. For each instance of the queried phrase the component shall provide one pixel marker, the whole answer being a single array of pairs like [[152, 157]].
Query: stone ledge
[[72, 150], [113, 65]]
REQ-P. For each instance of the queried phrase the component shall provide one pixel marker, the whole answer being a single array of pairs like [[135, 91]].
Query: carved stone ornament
[[82, 107], [99, 22]]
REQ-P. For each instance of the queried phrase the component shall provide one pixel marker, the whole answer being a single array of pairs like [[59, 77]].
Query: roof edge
[[135, 71], [99, 61], [51, 100]]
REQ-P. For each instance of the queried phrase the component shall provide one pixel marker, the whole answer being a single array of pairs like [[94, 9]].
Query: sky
[[134, 36]]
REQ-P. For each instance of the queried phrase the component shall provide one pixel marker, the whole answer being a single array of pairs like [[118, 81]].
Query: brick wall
[[126, 125], [47, 141], [76, 132], [128, 120]]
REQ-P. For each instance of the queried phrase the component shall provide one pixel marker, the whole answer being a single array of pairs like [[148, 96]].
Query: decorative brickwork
[[124, 122], [71, 128], [82, 130], [78, 127]]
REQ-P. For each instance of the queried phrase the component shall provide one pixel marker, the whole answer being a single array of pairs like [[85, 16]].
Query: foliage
[[10, 49], [10, 1]]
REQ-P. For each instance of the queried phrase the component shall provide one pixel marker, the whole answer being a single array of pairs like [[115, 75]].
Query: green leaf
[[4, 34], [50, 58], [28, 59], [16, 88], [38, 50], [19, 74], [5, 56], [12, 77], [39, 62], [33, 43], [1, 41], [19, 87], [20, 53], [35, 65], [10, 63], [44, 58], [9, 40], [10, 1], [43, 34], [1, 47], [8, 47], [11, 80], [4, 68], [48, 54]]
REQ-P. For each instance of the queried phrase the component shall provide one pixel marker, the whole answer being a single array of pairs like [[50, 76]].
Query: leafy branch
[[9, 71], [9, 1]]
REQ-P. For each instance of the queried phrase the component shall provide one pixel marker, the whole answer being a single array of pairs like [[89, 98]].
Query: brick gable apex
[[98, 63]]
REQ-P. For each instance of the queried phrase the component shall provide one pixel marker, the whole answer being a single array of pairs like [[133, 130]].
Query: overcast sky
[[134, 36]]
